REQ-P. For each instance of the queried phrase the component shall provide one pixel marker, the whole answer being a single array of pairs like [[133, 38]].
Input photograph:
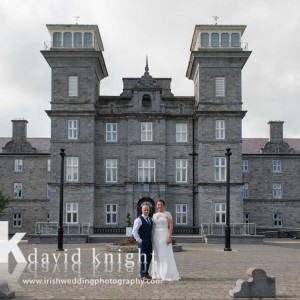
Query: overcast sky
[[163, 29]]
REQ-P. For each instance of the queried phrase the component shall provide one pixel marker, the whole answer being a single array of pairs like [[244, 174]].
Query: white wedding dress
[[163, 262]]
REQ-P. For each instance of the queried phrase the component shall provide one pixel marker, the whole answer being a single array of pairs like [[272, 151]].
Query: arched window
[[57, 39], [225, 40], [235, 40], [146, 103], [78, 39], [67, 39], [215, 40], [88, 40], [204, 40]]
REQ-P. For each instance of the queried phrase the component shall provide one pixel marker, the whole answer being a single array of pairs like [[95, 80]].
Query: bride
[[163, 261]]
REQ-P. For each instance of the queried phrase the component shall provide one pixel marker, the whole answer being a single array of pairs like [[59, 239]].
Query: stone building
[[147, 143]]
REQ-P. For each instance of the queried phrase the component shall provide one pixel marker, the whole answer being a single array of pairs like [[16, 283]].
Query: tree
[[4, 200]]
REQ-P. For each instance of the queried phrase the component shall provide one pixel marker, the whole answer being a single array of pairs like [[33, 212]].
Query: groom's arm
[[135, 231]]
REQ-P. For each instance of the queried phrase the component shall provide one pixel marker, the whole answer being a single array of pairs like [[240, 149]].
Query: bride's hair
[[161, 201]]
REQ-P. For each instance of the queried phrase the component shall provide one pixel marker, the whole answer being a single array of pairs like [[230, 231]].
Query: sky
[[163, 30]]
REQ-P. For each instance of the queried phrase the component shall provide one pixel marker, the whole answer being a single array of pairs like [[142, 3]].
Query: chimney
[[19, 133], [276, 131]]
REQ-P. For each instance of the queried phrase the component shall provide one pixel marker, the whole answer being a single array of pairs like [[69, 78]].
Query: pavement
[[206, 271]]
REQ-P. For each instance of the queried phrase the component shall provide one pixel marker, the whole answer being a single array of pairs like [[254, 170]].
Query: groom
[[142, 231]]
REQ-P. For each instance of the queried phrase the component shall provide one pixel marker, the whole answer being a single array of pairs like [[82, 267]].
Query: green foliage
[[4, 200], [128, 220]]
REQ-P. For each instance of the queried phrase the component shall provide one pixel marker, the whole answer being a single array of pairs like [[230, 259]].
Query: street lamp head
[[228, 152]]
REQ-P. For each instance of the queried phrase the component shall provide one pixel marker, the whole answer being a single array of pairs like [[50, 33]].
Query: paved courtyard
[[207, 272]]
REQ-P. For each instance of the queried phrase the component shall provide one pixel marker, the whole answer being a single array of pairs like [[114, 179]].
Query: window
[[215, 40], [71, 212], [225, 40], [220, 213], [18, 190], [111, 132], [67, 42], [181, 170], [220, 168], [72, 168], [78, 39], [146, 170], [88, 40], [277, 220], [220, 129], [73, 86], [245, 166], [72, 129], [111, 170], [111, 213], [277, 190], [18, 165], [204, 40], [181, 214], [235, 40], [181, 132], [220, 86], [246, 217], [246, 190], [49, 165], [57, 39], [146, 132], [276, 166], [17, 220]]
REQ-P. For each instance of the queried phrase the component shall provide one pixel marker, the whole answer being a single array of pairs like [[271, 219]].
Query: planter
[[129, 231]]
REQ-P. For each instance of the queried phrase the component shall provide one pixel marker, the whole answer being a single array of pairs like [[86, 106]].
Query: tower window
[[67, 39], [73, 86], [215, 40], [78, 39], [57, 39], [88, 40], [225, 40], [204, 40], [235, 40]]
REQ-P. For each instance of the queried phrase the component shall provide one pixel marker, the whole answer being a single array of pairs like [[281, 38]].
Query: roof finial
[[76, 19], [216, 19], [146, 68]]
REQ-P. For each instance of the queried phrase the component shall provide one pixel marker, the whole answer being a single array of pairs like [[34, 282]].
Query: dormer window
[[146, 103]]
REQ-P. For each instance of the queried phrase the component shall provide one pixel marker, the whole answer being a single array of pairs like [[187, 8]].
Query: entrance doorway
[[149, 202]]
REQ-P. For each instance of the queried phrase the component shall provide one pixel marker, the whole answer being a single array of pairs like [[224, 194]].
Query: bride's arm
[[170, 228]]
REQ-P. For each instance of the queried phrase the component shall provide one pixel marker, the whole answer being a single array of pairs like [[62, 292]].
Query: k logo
[[7, 246]]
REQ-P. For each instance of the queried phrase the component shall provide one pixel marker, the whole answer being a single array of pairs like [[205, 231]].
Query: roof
[[253, 145], [42, 145]]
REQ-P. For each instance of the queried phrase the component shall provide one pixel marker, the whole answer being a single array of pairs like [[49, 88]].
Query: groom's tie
[[148, 221]]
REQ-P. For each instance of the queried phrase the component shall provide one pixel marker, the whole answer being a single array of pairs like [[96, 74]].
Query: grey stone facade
[[216, 72]]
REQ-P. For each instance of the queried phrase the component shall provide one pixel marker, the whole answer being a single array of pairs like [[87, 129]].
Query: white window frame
[[277, 220], [245, 165], [277, 190], [220, 213], [220, 129], [181, 133], [72, 174], [73, 86], [146, 170], [18, 165], [220, 86], [146, 132], [111, 214], [181, 214], [276, 166], [246, 190], [111, 132], [18, 190], [72, 212], [17, 220], [72, 129], [181, 170], [48, 165], [220, 168], [111, 170]]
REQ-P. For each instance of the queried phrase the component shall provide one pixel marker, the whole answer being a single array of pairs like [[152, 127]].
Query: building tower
[[75, 57], [215, 65]]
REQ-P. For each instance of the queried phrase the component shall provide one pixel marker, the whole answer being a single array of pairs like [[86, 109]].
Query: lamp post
[[227, 226], [60, 231]]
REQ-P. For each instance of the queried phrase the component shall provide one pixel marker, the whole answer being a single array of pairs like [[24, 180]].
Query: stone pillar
[[276, 131], [19, 130]]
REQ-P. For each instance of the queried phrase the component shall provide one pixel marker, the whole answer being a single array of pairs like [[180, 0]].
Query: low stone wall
[[133, 248], [235, 239], [52, 239]]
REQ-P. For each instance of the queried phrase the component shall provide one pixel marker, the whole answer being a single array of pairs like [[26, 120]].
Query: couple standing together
[[160, 229]]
